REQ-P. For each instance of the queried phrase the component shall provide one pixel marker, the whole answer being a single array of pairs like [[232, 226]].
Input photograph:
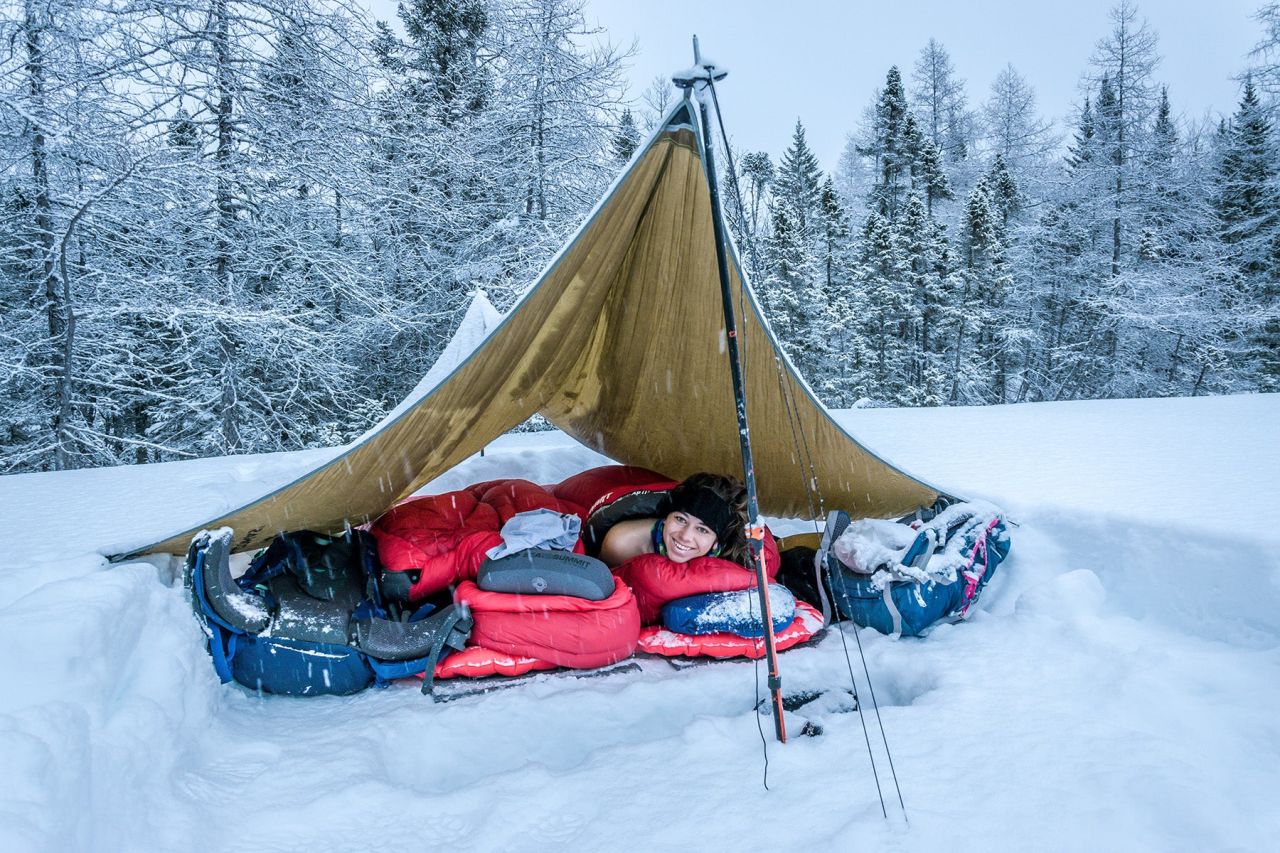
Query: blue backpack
[[310, 617], [905, 597]]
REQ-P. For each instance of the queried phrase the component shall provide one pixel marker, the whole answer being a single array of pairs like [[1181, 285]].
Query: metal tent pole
[[706, 73]]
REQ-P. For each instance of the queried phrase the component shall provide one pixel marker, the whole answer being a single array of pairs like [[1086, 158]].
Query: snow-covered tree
[[1248, 206], [890, 147], [940, 102], [1013, 130], [627, 138], [797, 184]]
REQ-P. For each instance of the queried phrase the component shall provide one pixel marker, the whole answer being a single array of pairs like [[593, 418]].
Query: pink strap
[[971, 587]]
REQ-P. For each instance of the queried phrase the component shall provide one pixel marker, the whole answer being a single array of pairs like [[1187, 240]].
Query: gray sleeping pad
[[540, 572]]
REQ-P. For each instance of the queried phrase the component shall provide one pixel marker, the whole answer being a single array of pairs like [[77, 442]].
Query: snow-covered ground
[[1117, 688]]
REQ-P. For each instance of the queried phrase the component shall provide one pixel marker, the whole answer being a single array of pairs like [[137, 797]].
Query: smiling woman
[[703, 516]]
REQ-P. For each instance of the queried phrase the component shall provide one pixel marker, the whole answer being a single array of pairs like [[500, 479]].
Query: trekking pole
[[698, 78]]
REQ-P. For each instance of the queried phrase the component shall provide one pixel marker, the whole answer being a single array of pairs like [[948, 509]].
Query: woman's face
[[686, 537]]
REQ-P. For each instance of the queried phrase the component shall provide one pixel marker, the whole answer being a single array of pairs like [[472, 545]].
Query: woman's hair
[[733, 545]]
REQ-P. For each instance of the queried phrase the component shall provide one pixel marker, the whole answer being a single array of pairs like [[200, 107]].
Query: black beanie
[[705, 505]]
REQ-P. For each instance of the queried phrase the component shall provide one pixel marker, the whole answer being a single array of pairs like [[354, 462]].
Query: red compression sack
[[559, 629]]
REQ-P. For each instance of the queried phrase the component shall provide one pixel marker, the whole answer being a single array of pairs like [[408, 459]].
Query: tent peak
[[702, 73]]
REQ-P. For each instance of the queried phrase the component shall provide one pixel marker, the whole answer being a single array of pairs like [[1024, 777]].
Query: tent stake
[[755, 529]]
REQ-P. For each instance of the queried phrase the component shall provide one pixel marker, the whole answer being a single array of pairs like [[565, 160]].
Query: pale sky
[[820, 60]]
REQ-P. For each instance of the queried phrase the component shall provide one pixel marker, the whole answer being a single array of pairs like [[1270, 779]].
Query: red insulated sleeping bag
[[655, 580], [508, 497], [559, 629], [596, 488], [445, 537], [442, 536]]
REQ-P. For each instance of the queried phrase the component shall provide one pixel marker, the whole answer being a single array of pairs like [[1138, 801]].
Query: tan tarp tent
[[620, 343]]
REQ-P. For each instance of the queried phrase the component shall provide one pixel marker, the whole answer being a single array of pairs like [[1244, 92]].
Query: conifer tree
[[1248, 208], [1002, 190], [835, 305], [925, 259], [442, 71], [1246, 196], [787, 291], [1164, 136], [1162, 236], [883, 268], [890, 147], [627, 139], [980, 357], [834, 233], [930, 175], [1081, 148], [797, 184]]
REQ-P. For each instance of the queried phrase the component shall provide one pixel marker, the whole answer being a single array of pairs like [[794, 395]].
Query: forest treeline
[[233, 226]]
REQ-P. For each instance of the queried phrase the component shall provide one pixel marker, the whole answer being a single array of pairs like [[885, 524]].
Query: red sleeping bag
[[445, 537], [558, 629], [596, 488]]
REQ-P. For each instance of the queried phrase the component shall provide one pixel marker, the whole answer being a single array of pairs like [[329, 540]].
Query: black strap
[[454, 634]]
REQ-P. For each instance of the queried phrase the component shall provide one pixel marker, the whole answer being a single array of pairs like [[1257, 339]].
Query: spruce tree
[[442, 69], [1164, 135], [1246, 196], [627, 139], [1080, 152], [890, 147], [1002, 190], [930, 175], [919, 239], [1162, 235], [797, 184], [882, 273], [786, 290], [834, 232], [1248, 208], [980, 358], [833, 311]]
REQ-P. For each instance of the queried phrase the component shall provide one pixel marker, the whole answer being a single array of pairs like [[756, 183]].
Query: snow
[[1115, 687]]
